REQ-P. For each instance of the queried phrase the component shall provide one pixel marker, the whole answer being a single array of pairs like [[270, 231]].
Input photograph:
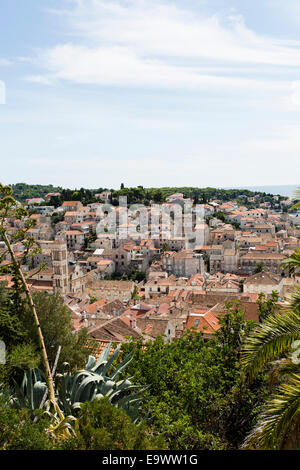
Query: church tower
[[60, 267]]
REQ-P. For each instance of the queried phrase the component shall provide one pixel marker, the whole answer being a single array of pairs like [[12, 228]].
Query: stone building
[[185, 263], [265, 282], [60, 267], [271, 261], [110, 290]]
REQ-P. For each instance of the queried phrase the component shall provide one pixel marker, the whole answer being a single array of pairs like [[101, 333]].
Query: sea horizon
[[283, 190]]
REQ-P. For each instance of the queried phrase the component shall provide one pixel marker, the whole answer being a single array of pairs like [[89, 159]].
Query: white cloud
[[281, 142], [121, 66], [287, 9], [4, 62], [293, 100], [41, 79], [149, 43], [165, 30], [2, 92]]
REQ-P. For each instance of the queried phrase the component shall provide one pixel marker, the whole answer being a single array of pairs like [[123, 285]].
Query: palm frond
[[296, 197], [288, 367], [280, 421], [269, 341], [292, 263], [292, 302], [282, 369]]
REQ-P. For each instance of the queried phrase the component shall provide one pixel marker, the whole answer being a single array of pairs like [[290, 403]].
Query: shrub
[[102, 426]]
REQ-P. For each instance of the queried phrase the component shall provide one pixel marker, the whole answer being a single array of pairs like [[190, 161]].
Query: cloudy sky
[[150, 92]]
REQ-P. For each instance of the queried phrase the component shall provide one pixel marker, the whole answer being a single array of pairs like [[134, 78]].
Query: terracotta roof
[[208, 322], [104, 262], [266, 278], [74, 232], [70, 214], [114, 330], [94, 307], [70, 203]]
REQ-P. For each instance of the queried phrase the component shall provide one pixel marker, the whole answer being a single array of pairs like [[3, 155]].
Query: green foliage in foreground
[[106, 410], [20, 336], [99, 379], [19, 432], [102, 426], [267, 305], [197, 398], [55, 321], [277, 339]]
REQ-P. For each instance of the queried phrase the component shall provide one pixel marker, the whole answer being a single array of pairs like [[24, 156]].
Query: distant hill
[[23, 191]]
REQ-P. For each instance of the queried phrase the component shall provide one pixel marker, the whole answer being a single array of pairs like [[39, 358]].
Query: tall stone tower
[[60, 267]]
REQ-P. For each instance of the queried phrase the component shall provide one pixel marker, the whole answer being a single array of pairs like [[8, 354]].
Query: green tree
[[55, 321], [137, 276], [57, 217], [11, 330], [221, 216], [259, 268], [158, 196], [267, 305], [165, 247], [9, 208], [234, 328], [196, 397]]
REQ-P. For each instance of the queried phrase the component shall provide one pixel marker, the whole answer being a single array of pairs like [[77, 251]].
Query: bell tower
[[60, 267]]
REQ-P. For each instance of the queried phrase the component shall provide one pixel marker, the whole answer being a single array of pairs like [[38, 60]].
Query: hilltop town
[[134, 281]]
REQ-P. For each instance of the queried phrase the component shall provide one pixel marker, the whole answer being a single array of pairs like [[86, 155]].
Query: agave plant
[[29, 394], [62, 428], [99, 379]]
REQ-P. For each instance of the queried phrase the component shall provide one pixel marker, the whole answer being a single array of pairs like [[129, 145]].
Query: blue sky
[[150, 92]]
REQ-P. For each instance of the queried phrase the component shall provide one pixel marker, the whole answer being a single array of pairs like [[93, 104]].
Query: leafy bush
[[19, 432], [197, 398], [102, 426]]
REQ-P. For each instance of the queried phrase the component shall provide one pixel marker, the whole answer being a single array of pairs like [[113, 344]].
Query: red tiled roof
[[208, 322], [70, 203], [92, 308]]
